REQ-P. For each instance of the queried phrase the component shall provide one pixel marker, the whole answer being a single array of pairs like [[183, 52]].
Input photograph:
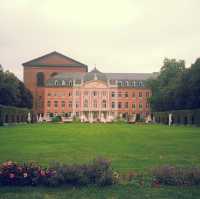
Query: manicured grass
[[137, 147], [130, 147]]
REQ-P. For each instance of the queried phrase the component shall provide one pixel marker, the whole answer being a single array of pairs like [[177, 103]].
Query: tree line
[[175, 87], [13, 91]]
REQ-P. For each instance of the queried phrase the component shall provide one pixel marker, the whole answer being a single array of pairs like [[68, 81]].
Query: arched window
[[104, 104], [40, 79], [85, 103]]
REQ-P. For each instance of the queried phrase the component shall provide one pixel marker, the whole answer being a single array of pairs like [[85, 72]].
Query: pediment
[[95, 84]]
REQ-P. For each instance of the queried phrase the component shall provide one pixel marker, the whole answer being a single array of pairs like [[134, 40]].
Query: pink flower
[[12, 175], [25, 175], [42, 173], [19, 168]]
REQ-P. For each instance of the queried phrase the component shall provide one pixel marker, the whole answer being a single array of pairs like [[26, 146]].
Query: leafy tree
[[164, 87], [13, 91]]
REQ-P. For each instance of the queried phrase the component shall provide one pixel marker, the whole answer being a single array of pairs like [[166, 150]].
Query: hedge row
[[99, 172], [179, 117], [176, 176], [13, 114]]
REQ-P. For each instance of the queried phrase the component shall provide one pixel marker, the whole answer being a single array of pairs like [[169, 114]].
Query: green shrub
[[56, 119], [169, 175]]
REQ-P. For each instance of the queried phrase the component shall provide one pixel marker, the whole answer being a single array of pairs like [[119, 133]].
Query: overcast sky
[[113, 35]]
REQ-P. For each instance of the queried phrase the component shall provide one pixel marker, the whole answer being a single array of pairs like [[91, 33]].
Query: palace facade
[[63, 86]]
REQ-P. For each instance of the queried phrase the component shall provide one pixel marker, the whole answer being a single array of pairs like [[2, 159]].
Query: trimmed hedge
[[179, 117], [99, 172], [10, 114]]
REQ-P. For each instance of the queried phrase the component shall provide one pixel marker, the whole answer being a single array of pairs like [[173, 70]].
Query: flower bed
[[99, 172]]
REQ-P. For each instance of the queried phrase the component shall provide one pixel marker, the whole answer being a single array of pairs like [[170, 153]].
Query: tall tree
[[164, 87], [13, 91]]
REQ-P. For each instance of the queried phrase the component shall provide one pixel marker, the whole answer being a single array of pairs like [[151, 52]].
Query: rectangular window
[[113, 94], [126, 105], [70, 104], [134, 106], [55, 104], [140, 106], [147, 94], [63, 104], [49, 103], [113, 104], [77, 104], [119, 105], [140, 94], [94, 93], [126, 94], [70, 94]]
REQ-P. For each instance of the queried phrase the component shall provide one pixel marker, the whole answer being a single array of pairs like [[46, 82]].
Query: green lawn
[[130, 147]]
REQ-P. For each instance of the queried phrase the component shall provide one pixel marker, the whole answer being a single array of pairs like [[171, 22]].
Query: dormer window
[[70, 83], [63, 82], [126, 83], [141, 84], [120, 83], [56, 82]]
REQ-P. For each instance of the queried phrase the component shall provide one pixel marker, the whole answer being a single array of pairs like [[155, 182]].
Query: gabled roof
[[54, 59]]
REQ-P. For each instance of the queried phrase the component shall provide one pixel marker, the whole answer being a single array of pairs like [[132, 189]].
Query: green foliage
[[13, 92], [176, 176], [176, 87], [56, 119], [164, 86]]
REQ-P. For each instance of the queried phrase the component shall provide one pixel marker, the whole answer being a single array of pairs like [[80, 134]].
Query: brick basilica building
[[63, 86]]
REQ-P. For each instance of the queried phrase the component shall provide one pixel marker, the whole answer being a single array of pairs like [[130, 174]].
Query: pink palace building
[[63, 86]]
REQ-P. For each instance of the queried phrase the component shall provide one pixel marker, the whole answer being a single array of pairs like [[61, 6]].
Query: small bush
[[169, 175], [56, 119]]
